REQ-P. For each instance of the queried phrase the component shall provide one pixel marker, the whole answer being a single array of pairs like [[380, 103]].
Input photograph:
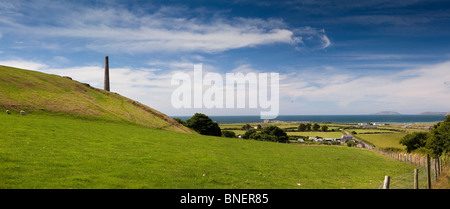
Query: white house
[[370, 127]]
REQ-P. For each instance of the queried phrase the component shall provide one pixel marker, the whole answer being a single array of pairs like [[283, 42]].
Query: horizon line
[[312, 115]]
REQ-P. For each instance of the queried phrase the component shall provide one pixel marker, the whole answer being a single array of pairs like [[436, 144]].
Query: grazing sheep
[[7, 112], [23, 112]]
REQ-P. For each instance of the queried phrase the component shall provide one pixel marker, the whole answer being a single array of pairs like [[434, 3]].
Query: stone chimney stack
[[106, 74]]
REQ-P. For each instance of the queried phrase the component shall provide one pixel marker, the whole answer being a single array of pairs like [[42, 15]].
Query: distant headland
[[423, 113], [386, 113]]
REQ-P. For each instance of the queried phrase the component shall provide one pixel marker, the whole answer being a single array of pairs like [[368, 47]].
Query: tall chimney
[[106, 74]]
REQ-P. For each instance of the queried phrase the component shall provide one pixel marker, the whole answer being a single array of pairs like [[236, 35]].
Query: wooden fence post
[[386, 182], [436, 172], [428, 171], [418, 160], [416, 179]]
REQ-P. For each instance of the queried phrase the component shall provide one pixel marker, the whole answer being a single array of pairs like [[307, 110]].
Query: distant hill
[[387, 113], [424, 113], [41, 93], [433, 113]]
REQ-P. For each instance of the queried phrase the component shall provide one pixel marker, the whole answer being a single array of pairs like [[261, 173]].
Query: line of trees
[[436, 142], [248, 126], [315, 127], [202, 124], [270, 133]]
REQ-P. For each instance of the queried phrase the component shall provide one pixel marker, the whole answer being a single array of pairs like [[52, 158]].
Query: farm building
[[346, 138], [370, 127]]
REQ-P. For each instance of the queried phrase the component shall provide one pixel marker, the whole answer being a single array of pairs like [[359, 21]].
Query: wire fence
[[406, 181], [427, 171]]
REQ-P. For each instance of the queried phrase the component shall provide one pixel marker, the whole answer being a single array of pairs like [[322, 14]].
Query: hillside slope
[[62, 152], [41, 93]]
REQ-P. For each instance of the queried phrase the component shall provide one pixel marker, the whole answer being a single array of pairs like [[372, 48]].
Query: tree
[[414, 141], [275, 131], [439, 140], [315, 127], [202, 124], [263, 137], [301, 127], [229, 134], [246, 127], [180, 121], [308, 127], [271, 133], [248, 133], [351, 144], [324, 128]]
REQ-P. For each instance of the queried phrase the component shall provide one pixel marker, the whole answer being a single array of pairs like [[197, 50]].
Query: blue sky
[[333, 57]]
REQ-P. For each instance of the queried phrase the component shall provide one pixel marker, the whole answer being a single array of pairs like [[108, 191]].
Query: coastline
[[340, 119]]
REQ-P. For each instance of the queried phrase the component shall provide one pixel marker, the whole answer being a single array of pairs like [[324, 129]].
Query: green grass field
[[369, 131], [389, 136], [45, 151], [282, 125], [384, 140], [237, 128], [309, 133], [334, 134]]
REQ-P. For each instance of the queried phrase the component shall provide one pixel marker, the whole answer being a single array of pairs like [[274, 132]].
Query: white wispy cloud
[[118, 30], [24, 64], [313, 38], [408, 91], [415, 89]]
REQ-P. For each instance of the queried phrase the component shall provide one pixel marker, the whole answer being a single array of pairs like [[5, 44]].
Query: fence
[[416, 179], [427, 172]]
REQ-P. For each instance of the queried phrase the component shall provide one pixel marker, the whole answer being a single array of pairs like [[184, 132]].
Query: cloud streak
[[114, 29], [410, 90], [407, 91]]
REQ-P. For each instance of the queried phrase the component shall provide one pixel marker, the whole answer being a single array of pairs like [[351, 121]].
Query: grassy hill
[[46, 151], [42, 93], [76, 136]]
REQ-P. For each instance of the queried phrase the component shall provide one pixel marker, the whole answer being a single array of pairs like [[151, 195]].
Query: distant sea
[[330, 118]]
